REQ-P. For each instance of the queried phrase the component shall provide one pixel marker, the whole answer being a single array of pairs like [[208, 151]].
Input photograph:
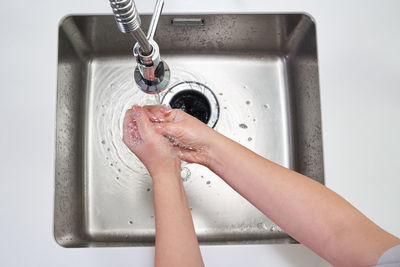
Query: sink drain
[[193, 103], [195, 99]]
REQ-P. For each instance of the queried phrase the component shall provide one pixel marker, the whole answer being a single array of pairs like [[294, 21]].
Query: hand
[[193, 140], [153, 149]]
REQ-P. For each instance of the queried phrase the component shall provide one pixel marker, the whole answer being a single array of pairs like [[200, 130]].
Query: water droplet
[[244, 86], [111, 164], [243, 126], [152, 216], [249, 139], [225, 108], [103, 142], [248, 102], [117, 178], [185, 174], [266, 106], [130, 222], [254, 119], [208, 182], [202, 176], [263, 226], [108, 149], [221, 94], [148, 189], [119, 170]]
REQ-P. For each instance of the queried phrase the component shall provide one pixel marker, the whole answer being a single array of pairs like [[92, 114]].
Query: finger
[[175, 115], [166, 114], [158, 112], [169, 129], [153, 108], [150, 116], [142, 121], [131, 135], [151, 111]]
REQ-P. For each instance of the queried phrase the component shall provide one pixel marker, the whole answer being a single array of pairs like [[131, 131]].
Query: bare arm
[[310, 212], [176, 241]]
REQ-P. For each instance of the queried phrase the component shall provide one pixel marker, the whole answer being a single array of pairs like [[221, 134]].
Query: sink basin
[[263, 71]]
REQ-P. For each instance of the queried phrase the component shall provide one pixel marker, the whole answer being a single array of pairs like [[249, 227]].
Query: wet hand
[[193, 140], [153, 149]]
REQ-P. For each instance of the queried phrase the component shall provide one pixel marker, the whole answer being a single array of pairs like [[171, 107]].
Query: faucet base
[[158, 85]]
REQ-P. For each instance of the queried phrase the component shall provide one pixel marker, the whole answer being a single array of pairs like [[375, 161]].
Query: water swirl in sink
[[116, 92]]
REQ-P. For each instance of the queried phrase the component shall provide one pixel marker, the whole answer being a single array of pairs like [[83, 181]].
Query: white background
[[359, 64]]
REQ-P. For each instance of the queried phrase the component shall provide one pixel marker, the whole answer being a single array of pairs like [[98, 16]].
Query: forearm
[[308, 211], [176, 241]]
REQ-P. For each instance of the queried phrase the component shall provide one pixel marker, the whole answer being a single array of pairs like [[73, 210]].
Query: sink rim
[[80, 234]]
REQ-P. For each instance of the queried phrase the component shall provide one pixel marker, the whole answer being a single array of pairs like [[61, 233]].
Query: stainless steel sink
[[262, 68]]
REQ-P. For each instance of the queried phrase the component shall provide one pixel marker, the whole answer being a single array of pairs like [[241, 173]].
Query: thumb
[[142, 121]]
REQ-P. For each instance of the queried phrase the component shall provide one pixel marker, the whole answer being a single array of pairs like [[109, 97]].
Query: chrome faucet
[[152, 74]]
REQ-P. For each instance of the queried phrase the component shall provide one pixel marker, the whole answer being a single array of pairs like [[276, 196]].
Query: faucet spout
[[152, 74]]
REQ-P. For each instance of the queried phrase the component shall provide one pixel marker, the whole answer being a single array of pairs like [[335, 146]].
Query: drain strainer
[[195, 99]]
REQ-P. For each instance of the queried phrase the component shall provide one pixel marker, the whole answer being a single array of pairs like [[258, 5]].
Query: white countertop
[[359, 65]]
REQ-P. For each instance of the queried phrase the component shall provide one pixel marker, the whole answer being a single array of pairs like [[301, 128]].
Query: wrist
[[215, 151], [166, 179], [166, 171]]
